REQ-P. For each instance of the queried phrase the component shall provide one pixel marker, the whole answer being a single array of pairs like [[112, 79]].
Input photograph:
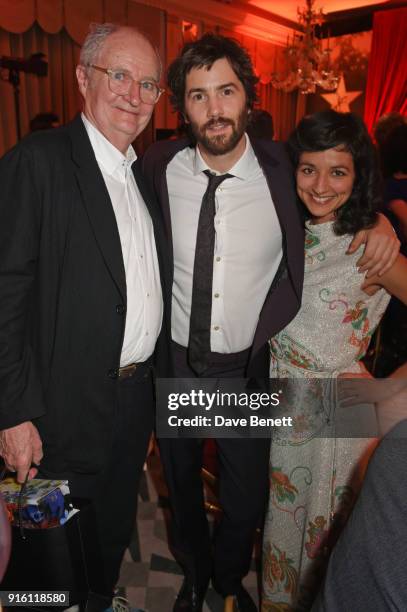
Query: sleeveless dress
[[313, 479]]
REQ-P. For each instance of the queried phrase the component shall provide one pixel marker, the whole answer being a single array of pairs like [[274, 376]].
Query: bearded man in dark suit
[[81, 300], [237, 241]]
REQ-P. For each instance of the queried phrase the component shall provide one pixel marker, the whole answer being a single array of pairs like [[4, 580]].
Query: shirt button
[[120, 309], [216, 295], [146, 333], [216, 327], [218, 258], [141, 256], [113, 373], [148, 295]]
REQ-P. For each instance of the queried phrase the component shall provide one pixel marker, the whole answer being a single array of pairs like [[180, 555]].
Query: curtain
[[57, 93], [285, 108], [18, 16], [387, 75], [57, 28]]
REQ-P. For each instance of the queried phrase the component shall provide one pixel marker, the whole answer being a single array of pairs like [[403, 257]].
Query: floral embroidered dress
[[314, 480]]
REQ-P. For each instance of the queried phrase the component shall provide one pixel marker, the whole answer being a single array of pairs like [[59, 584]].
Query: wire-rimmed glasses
[[120, 82]]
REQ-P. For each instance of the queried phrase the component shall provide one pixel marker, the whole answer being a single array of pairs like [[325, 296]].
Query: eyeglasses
[[120, 82]]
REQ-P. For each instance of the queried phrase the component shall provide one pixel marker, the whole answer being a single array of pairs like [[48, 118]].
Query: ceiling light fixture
[[308, 62]]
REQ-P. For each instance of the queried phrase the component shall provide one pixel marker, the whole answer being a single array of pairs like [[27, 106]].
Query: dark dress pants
[[114, 490], [367, 568], [243, 487]]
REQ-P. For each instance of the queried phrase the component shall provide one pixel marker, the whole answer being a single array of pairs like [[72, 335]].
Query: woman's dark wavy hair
[[327, 130], [204, 53]]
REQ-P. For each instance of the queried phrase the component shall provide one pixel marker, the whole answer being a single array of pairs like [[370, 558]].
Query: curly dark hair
[[327, 130], [204, 53]]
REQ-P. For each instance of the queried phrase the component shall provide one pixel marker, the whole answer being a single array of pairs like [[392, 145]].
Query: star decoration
[[340, 99]]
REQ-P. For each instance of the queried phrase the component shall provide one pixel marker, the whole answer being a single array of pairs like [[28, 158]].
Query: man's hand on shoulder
[[382, 247], [20, 446]]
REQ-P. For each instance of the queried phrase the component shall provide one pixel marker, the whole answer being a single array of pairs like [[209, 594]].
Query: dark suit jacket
[[63, 295], [284, 297]]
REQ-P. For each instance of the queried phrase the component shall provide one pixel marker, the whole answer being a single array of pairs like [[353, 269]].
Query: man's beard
[[222, 143]]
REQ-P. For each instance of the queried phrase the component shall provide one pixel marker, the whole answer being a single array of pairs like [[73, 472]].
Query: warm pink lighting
[[288, 8]]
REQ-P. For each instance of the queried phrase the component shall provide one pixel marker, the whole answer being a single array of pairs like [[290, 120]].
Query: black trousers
[[114, 490], [243, 479]]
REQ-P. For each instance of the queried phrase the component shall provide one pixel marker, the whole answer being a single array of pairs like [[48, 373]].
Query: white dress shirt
[[248, 246], [144, 298]]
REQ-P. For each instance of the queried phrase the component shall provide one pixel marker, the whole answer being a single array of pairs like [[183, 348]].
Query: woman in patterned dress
[[314, 479]]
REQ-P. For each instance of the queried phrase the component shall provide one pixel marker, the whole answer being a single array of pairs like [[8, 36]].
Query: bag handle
[[3, 473]]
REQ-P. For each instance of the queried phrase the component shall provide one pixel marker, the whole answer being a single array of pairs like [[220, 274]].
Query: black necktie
[[199, 345]]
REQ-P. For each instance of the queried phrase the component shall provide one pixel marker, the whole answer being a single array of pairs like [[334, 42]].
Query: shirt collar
[[108, 157], [243, 168]]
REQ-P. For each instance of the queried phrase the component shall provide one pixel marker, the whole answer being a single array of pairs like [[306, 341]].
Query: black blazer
[[284, 297], [63, 295]]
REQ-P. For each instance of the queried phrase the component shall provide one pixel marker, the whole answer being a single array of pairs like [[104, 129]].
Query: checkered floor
[[150, 578]]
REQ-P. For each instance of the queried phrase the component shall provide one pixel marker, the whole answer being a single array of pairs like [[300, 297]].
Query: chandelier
[[308, 63]]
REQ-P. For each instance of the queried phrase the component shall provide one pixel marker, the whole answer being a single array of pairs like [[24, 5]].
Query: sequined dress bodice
[[333, 328]]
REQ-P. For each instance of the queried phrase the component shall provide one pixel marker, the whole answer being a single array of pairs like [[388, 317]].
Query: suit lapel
[[97, 203], [280, 184], [157, 219], [284, 296], [146, 194], [160, 180]]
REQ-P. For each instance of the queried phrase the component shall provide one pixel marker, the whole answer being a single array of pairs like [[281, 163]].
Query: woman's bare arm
[[394, 280]]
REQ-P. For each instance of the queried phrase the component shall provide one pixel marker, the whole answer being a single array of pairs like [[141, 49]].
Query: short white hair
[[94, 41]]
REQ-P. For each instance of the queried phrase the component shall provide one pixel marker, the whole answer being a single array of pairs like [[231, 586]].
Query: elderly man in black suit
[[238, 252], [81, 300]]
